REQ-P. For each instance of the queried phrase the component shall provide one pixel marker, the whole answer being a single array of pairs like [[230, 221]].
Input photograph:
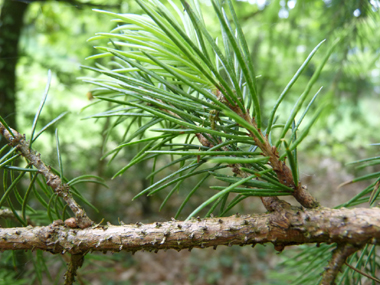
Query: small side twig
[[76, 261], [338, 259], [283, 172], [363, 273], [52, 180]]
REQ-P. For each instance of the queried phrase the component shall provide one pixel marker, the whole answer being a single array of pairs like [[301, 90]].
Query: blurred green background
[[36, 36]]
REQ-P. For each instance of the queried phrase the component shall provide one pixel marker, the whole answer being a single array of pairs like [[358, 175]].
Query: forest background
[[52, 35]]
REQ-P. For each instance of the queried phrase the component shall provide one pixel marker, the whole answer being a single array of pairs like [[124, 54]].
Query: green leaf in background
[[46, 92], [216, 196]]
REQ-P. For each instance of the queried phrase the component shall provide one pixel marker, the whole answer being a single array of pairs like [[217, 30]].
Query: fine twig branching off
[[54, 181], [338, 259]]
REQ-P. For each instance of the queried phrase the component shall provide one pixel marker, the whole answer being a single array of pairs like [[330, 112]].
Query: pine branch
[[62, 190], [283, 172], [289, 227]]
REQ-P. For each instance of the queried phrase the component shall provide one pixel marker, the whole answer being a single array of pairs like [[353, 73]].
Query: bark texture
[[288, 227], [339, 257]]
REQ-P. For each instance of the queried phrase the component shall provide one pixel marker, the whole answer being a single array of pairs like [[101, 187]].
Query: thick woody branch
[[289, 227], [53, 180], [340, 254]]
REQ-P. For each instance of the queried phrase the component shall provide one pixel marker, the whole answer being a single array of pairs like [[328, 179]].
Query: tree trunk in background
[[11, 22]]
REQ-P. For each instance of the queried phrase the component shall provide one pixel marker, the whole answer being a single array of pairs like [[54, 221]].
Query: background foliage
[[280, 34]]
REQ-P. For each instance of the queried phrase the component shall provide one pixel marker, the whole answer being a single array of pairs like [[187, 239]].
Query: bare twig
[[363, 273], [53, 180]]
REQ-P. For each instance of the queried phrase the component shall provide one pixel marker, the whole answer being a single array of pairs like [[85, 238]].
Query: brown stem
[[339, 256], [76, 261], [288, 227], [283, 172], [52, 180], [363, 273]]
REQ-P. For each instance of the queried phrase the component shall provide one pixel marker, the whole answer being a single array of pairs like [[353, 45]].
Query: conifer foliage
[[193, 95]]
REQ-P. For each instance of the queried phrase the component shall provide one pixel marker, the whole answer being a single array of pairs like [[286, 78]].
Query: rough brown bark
[[76, 261], [339, 257], [289, 227]]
